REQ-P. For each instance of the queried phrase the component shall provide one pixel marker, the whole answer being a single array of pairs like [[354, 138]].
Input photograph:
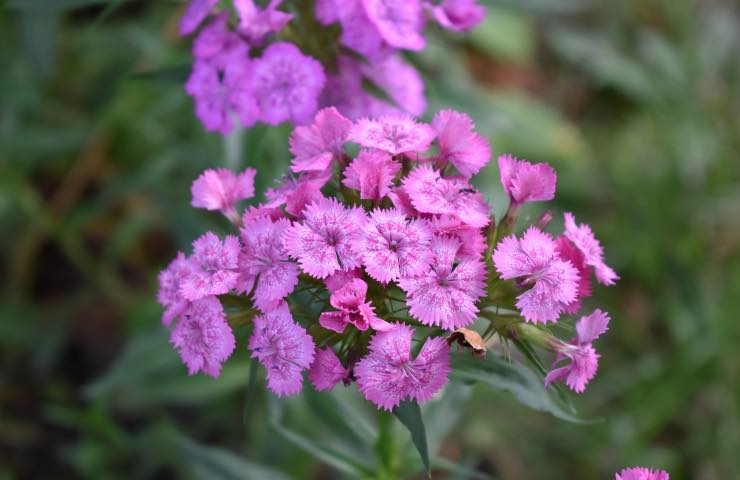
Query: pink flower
[[263, 260], [316, 145], [473, 243], [358, 31], [583, 238], [326, 370], [534, 259], [583, 358], [567, 251], [393, 134], [392, 246], [203, 337], [170, 281], [371, 173], [218, 45], [400, 81], [641, 473], [457, 15], [525, 182], [402, 201], [321, 243], [284, 348], [388, 374], [286, 84], [196, 12], [445, 296], [221, 188], [216, 263], [399, 22], [459, 144], [352, 308], [430, 193], [297, 193], [339, 279], [256, 23]]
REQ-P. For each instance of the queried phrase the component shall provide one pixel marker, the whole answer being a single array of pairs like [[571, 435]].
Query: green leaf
[[512, 377], [409, 414]]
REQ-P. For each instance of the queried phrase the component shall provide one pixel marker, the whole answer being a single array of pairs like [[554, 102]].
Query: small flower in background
[[221, 189], [583, 239], [459, 144], [456, 15], [327, 370], [525, 182], [194, 15], [641, 473], [256, 23]]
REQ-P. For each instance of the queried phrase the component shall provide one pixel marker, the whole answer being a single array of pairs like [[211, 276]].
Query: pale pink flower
[[352, 308], [371, 173], [584, 240], [216, 263], [399, 22], [316, 145], [284, 348], [194, 15], [584, 360], [402, 201], [297, 193], [388, 374], [400, 81], [457, 15], [203, 337], [392, 246], [263, 260], [459, 144], [170, 281], [553, 282], [256, 23], [220, 189], [321, 242], [525, 182], [392, 134], [567, 251], [430, 193], [261, 210], [326, 370], [472, 239], [641, 473], [446, 294]]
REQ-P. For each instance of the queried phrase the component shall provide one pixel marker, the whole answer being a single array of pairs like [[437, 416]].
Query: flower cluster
[[641, 473], [347, 260], [244, 70]]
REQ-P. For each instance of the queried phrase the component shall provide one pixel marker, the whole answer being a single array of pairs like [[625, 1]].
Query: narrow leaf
[[409, 414]]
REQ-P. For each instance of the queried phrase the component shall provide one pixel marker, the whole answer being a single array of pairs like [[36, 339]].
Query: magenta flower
[[446, 294], [402, 201], [352, 308], [203, 337], [473, 243], [316, 145], [583, 239], [583, 358], [430, 193], [358, 31], [216, 263], [371, 173], [399, 22], [524, 182], [400, 81], [194, 15], [221, 188], [457, 15], [256, 23], [459, 144], [388, 374], [286, 84], [641, 473], [263, 261], [170, 282], [284, 348], [391, 246], [326, 370], [321, 243], [567, 251], [297, 193], [392, 134], [535, 261], [339, 279]]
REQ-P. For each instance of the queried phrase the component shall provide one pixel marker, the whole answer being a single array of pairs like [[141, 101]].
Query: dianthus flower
[[203, 337], [583, 357], [263, 260], [216, 264], [459, 144], [297, 193], [388, 374], [283, 348], [525, 182], [567, 251], [352, 308], [218, 46], [473, 243], [256, 23], [583, 239], [392, 134], [170, 281], [315, 146], [456, 15], [399, 22], [220, 189], [194, 15], [445, 295], [327, 370], [641, 473], [371, 173], [321, 242], [400, 81], [535, 261]]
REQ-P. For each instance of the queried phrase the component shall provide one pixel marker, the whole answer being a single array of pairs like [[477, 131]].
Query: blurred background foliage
[[637, 105]]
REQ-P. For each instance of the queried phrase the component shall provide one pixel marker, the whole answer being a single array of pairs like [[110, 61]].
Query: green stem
[[234, 148]]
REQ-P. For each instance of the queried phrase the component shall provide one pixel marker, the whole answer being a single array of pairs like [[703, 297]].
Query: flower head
[[256, 23], [170, 281], [371, 173], [316, 145], [583, 357], [459, 144], [221, 188], [203, 337], [534, 259], [283, 348], [194, 15], [297, 193], [286, 84], [457, 15], [216, 263], [326, 370], [321, 242], [446, 294], [473, 243], [567, 251], [525, 182], [392, 134], [583, 239], [391, 246], [430, 193], [400, 81], [641, 473], [388, 374], [399, 22], [349, 300]]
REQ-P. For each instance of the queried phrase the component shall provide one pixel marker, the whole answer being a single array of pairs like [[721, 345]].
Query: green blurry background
[[636, 104]]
